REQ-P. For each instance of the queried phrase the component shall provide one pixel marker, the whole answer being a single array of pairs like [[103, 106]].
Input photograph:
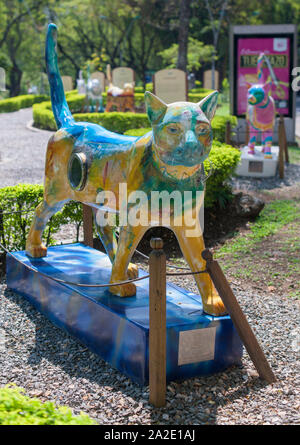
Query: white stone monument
[[171, 85]]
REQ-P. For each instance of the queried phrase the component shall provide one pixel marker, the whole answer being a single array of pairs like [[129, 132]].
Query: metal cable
[[71, 283], [59, 280]]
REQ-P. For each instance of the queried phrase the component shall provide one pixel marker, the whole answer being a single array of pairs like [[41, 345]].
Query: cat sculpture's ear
[[155, 107], [209, 104]]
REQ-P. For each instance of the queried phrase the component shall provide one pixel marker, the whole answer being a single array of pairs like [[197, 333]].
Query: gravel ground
[[291, 177], [51, 365], [22, 151]]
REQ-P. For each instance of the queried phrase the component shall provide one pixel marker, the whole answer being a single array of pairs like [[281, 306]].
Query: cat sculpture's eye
[[202, 129], [173, 129]]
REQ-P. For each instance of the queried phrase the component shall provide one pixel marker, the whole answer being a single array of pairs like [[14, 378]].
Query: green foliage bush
[[17, 204], [18, 102], [18, 409], [114, 121], [224, 159]]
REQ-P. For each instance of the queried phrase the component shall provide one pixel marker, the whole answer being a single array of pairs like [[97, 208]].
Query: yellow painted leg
[[191, 248], [121, 269], [34, 245]]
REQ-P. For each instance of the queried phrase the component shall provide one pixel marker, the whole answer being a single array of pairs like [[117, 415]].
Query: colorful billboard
[[278, 51]]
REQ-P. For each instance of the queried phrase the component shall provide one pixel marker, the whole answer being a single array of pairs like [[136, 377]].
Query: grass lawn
[[266, 255]]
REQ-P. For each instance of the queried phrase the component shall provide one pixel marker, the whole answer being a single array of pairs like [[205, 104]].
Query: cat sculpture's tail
[[61, 111]]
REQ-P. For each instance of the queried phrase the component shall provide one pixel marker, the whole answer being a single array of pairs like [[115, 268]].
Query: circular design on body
[[77, 171]]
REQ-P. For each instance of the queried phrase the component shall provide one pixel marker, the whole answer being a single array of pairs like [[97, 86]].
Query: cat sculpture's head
[[258, 93], [182, 133]]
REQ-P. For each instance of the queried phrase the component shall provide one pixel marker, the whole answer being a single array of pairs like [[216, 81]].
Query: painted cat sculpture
[[260, 112], [84, 159]]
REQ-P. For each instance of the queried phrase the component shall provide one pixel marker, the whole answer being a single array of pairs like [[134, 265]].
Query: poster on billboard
[[277, 43], [277, 50]]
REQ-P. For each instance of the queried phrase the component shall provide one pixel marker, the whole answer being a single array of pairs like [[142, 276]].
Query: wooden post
[[284, 139], [238, 318], [247, 134], [281, 146], [228, 133], [87, 225], [157, 324]]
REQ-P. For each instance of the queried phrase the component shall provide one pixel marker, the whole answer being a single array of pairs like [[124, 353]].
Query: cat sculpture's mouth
[[188, 157]]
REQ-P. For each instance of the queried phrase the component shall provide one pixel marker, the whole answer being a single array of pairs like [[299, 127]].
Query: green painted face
[[256, 94], [182, 132]]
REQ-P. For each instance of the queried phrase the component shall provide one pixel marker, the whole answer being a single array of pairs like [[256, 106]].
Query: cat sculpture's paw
[[214, 306], [132, 271], [36, 250], [124, 290]]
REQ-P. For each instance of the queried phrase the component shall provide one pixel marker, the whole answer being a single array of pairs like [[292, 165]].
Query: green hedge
[[18, 102], [224, 159], [18, 409], [17, 204], [114, 121]]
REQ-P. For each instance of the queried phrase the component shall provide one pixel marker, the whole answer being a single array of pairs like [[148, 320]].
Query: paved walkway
[[22, 151]]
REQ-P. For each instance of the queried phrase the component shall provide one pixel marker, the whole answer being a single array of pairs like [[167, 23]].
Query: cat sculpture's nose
[[190, 139]]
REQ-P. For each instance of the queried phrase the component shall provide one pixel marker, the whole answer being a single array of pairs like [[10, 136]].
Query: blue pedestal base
[[118, 328]]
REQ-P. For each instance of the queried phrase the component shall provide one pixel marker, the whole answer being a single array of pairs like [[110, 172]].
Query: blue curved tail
[[61, 111]]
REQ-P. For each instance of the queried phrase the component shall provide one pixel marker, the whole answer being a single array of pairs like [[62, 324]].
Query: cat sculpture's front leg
[[252, 140]]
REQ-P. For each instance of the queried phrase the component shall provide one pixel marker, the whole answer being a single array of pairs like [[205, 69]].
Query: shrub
[[224, 159], [18, 409], [17, 204], [18, 102], [115, 121], [138, 131], [219, 126]]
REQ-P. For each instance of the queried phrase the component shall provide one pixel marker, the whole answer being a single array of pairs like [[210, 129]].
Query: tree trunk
[[15, 76], [183, 35]]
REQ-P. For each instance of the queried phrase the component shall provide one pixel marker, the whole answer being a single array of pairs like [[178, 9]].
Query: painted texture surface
[[261, 110], [116, 328], [84, 159]]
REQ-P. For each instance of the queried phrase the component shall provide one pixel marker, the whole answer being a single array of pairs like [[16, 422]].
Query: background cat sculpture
[[261, 111], [84, 159]]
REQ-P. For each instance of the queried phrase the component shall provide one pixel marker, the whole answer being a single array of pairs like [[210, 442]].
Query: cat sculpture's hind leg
[[192, 247], [107, 235], [121, 268], [34, 245], [267, 143]]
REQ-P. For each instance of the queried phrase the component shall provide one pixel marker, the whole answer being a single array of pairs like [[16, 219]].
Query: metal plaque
[[255, 167], [197, 345]]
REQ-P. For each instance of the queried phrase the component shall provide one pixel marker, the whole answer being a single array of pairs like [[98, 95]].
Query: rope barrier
[[71, 283]]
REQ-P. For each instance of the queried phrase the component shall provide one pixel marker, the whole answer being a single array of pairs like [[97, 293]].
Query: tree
[[183, 34], [198, 53]]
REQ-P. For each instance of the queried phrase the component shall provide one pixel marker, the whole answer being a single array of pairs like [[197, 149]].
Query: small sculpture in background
[[81, 88], [121, 98], [94, 96], [261, 110], [93, 93]]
